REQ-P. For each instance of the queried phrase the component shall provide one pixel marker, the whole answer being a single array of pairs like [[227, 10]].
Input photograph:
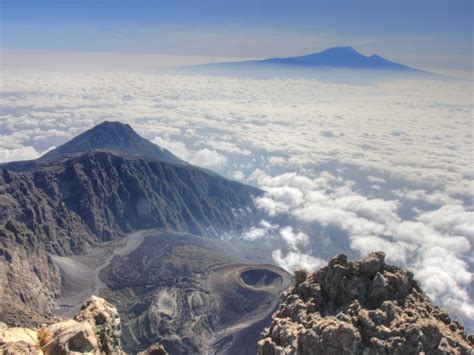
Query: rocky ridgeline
[[94, 330], [361, 307]]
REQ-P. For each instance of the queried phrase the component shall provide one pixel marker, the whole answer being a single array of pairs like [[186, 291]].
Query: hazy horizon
[[433, 35]]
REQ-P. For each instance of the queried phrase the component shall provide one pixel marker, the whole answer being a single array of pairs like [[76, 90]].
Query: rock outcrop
[[94, 330], [17, 340], [361, 307]]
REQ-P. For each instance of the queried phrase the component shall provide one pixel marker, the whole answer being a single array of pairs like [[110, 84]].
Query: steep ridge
[[361, 307], [67, 205]]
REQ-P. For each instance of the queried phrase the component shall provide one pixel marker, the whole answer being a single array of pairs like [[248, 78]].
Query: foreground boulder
[[94, 330], [17, 340], [361, 307]]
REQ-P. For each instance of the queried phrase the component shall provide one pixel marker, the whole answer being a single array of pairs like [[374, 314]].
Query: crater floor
[[191, 294]]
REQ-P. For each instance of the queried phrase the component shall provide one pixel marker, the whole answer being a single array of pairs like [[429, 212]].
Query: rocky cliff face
[[65, 207], [361, 307], [94, 330]]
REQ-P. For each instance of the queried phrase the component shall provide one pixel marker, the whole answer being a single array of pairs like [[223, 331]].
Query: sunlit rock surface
[[361, 307], [96, 329]]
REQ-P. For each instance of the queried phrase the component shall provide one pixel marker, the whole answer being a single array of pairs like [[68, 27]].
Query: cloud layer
[[436, 244], [387, 166]]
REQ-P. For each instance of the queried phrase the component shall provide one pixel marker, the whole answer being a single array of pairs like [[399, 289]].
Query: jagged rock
[[17, 340], [105, 322], [68, 336], [300, 276], [363, 307], [372, 264], [94, 330], [379, 289], [155, 349]]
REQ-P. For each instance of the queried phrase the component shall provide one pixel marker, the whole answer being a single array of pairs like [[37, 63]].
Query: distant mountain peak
[[340, 49], [107, 125], [112, 136], [340, 57], [109, 134]]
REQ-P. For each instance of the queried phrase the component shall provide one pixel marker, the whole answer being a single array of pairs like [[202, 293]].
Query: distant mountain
[[335, 65], [336, 57], [339, 57], [103, 184], [108, 136]]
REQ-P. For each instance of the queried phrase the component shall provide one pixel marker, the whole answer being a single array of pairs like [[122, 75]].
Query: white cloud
[[374, 224], [263, 230], [14, 154], [295, 260], [376, 179], [434, 198], [208, 158], [294, 239], [203, 157], [450, 219]]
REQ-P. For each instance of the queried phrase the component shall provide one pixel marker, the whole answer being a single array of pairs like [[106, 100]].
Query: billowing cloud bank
[[434, 244], [386, 167]]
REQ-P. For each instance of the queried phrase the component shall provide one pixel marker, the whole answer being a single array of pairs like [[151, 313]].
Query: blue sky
[[429, 33]]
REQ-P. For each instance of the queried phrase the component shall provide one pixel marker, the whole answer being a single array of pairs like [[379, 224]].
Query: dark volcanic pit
[[260, 278]]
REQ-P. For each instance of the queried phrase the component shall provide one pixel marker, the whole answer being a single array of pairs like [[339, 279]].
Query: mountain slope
[[333, 65], [340, 57], [76, 201], [107, 136], [113, 136], [336, 57]]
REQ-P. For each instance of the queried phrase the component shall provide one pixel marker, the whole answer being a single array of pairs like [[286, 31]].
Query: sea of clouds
[[352, 168]]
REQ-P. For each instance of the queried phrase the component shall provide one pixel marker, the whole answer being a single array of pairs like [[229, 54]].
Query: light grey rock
[[378, 310], [95, 330], [372, 264], [105, 322]]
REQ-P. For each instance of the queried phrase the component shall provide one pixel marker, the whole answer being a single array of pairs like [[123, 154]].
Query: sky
[[423, 33]]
